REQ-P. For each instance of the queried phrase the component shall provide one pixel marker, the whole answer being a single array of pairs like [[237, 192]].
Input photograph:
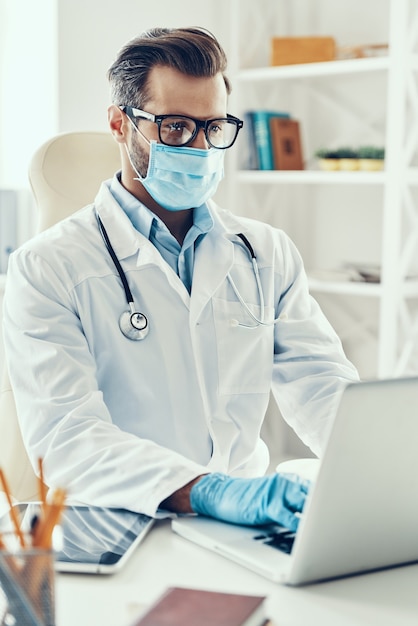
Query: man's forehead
[[168, 88]]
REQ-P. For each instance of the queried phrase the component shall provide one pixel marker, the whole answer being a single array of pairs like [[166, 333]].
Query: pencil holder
[[27, 578]]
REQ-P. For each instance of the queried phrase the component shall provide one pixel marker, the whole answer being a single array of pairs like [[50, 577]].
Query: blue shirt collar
[[145, 221]]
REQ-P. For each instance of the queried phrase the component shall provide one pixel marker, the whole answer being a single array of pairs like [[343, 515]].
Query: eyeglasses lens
[[178, 131], [222, 133]]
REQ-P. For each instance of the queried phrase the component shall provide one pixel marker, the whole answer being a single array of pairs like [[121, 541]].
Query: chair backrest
[[65, 174]]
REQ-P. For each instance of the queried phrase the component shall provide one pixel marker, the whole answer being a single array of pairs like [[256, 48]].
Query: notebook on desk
[[362, 511]]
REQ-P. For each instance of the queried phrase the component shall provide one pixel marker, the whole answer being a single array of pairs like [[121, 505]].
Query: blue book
[[261, 135]]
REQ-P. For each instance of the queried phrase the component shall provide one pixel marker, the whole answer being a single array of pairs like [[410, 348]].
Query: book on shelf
[[286, 144], [8, 226], [260, 137], [182, 606]]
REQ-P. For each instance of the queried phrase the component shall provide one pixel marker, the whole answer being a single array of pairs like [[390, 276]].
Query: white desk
[[387, 598]]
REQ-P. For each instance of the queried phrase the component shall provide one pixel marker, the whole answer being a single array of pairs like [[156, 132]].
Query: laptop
[[92, 540], [362, 511]]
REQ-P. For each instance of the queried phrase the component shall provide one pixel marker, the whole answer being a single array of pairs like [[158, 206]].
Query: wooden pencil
[[41, 484], [13, 514], [42, 537]]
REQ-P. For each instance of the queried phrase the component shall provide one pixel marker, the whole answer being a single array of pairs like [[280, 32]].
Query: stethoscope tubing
[[136, 333], [133, 324], [128, 292]]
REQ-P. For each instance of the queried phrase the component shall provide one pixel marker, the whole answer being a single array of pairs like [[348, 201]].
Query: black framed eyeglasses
[[180, 130]]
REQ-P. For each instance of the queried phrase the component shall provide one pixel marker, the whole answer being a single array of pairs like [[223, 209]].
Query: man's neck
[[177, 222]]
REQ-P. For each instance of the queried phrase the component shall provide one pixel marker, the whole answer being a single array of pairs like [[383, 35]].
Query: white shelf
[[313, 177], [389, 117], [373, 290], [317, 177], [353, 288], [307, 70]]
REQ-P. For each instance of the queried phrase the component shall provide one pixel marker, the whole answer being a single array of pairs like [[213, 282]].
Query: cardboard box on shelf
[[293, 50]]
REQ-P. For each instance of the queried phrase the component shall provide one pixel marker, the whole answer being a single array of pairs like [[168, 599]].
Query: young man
[[162, 406]]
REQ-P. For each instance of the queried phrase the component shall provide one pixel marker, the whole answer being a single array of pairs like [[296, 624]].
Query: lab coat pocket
[[245, 348]]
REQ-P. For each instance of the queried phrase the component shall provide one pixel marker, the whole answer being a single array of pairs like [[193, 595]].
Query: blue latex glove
[[251, 501]]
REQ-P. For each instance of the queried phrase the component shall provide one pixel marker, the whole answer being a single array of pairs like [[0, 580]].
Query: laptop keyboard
[[279, 538]]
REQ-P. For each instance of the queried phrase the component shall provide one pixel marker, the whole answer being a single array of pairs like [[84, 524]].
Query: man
[[163, 408]]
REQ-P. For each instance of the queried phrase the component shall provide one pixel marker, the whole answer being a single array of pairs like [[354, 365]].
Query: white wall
[[28, 95], [91, 33]]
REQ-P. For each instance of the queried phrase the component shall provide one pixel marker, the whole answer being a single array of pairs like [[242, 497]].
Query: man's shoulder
[[77, 225], [64, 250]]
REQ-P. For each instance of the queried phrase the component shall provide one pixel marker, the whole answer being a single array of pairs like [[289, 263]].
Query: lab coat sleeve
[[310, 367], [61, 411]]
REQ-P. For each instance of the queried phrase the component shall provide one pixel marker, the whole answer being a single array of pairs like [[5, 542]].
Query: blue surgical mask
[[181, 178]]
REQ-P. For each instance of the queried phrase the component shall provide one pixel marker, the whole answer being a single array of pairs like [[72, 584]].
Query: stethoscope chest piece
[[134, 325]]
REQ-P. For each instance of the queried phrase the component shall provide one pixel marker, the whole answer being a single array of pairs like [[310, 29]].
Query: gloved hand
[[251, 501]]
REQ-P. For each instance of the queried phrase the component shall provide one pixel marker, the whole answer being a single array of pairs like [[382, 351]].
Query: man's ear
[[118, 123]]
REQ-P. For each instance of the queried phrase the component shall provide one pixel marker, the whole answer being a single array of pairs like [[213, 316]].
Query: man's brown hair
[[192, 51]]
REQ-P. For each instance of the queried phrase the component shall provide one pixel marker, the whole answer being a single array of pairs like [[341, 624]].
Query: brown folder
[[286, 144], [196, 607]]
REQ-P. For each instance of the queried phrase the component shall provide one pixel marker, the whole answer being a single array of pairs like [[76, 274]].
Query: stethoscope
[[259, 321], [134, 325]]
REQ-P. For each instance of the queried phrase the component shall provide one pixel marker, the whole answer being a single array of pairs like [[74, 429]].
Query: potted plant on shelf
[[348, 159], [327, 159], [371, 158]]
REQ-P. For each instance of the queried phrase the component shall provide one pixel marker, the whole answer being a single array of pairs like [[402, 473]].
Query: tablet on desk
[[95, 540]]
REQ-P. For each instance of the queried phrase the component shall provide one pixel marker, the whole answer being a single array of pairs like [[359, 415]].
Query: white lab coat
[[126, 423]]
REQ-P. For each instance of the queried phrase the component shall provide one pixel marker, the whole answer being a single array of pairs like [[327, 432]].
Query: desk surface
[[164, 559]]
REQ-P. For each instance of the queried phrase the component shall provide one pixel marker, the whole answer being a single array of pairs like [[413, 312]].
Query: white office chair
[[65, 174]]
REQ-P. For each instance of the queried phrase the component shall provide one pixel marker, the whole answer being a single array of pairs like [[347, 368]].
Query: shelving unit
[[369, 100], [313, 177], [331, 68]]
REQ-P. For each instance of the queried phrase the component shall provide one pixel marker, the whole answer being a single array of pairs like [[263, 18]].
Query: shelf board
[[307, 70], [310, 177], [353, 288], [318, 177]]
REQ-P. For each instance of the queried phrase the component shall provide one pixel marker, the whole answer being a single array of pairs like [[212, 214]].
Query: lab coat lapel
[[149, 255], [213, 260], [125, 239]]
